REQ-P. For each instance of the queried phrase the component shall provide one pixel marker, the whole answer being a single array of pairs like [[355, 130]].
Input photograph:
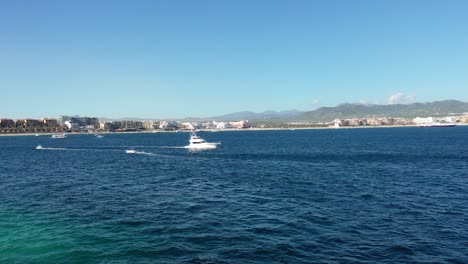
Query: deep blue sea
[[384, 195]]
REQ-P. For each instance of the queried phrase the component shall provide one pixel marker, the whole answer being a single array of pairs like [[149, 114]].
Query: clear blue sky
[[169, 58]]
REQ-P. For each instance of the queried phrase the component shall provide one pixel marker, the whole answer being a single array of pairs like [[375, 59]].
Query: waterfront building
[[423, 120], [7, 123], [388, 121], [116, 125], [81, 121], [241, 124], [105, 126], [336, 123], [132, 124], [150, 125], [353, 122], [187, 126], [403, 121], [449, 119], [28, 123], [72, 126], [63, 119], [123, 125], [222, 125], [169, 125], [49, 122]]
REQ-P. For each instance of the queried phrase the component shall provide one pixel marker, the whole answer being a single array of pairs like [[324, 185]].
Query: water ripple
[[321, 196]]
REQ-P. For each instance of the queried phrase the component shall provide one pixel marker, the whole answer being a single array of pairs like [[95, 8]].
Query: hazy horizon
[[175, 59], [126, 117]]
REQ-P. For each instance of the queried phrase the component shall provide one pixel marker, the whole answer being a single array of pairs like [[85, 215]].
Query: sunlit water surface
[[304, 196]]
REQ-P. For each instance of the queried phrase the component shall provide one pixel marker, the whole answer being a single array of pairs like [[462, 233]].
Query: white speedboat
[[130, 151], [197, 142], [59, 136], [39, 147], [98, 135]]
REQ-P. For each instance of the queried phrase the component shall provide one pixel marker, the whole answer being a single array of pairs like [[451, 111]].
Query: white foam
[[44, 148]]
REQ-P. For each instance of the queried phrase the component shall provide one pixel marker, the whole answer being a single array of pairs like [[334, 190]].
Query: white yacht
[[197, 142], [59, 136], [130, 151]]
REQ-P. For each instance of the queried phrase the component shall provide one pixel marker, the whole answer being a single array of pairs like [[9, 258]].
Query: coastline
[[218, 130]]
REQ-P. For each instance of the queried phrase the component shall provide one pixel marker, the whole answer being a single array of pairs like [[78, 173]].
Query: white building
[[220, 125], [241, 124], [450, 119], [423, 120], [187, 125], [105, 125], [72, 126], [337, 123], [168, 125]]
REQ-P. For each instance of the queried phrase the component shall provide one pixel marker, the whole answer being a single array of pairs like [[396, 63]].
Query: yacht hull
[[203, 146]]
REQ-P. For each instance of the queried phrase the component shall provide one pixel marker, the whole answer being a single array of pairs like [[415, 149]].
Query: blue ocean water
[[386, 195]]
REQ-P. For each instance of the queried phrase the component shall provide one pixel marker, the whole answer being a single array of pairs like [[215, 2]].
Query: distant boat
[[37, 134], [59, 136], [197, 142], [130, 151], [99, 135], [438, 125], [39, 147]]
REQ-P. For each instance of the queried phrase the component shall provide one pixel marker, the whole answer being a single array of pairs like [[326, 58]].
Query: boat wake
[[163, 147], [72, 149], [44, 148], [132, 146], [126, 150], [153, 154], [146, 153]]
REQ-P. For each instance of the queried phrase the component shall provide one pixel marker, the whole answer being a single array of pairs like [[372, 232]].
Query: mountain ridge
[[355, 110], [342, 111], [436, 108]]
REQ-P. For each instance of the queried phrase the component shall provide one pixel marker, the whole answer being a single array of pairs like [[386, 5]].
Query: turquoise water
[[303, 196]]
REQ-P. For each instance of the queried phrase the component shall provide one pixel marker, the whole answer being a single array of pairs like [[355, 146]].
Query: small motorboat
[[39, 147], [59, 136], [130, 151]]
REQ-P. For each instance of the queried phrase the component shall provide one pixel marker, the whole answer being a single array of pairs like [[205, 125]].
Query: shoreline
[[216, 130]]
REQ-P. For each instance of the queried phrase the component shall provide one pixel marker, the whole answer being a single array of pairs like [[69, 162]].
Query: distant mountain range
[[348, 110], [437, 108]]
